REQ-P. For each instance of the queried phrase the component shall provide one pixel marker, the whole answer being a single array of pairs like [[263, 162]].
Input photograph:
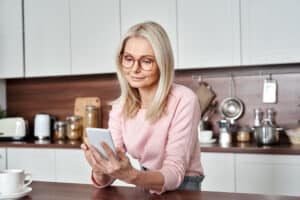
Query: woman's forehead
[[138, 46]]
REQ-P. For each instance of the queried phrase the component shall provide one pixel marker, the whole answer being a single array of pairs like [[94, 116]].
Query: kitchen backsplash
[[56, 95]]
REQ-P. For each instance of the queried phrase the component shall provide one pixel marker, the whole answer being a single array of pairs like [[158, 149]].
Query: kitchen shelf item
[[243, 135], [232, 108], [60, 130], [74, 124], [294, 135], [258, 116], [82, 102], [267, 134], [205, 96], [90, 118]]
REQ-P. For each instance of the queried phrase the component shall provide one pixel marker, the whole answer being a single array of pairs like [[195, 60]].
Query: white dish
[[209, 141], [23, 193]]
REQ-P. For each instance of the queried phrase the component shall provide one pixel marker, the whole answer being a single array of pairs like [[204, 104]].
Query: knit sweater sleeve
[[115, 126], [181, 141]]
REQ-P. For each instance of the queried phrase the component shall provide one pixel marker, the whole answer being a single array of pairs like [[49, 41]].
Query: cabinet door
[[71, 166], [39, 162], [219, 172], [270, 31], [162, 12], [95, 28], [208, 33], [2, 158], [47, 37], [268, 174], [11, 39]]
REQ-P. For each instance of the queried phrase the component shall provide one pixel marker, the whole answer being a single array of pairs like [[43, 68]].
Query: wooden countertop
[[67, 191], [283, 148]]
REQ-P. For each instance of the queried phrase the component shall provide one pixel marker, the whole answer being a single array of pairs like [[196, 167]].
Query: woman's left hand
[[117, 165]]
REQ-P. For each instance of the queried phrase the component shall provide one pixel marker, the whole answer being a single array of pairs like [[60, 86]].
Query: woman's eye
[[147, 61], [128, 59]]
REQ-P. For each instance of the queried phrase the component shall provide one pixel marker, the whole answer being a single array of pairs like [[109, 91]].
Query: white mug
[[13, 181], [205, 135]]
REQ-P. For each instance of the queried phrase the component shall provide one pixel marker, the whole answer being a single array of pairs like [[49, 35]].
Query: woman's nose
[[136, 66]]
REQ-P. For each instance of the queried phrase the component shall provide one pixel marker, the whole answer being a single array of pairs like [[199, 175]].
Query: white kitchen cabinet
[[39, 162], [268, 174], [162, 12], [219, 171], [95, 35], [11, 39], [71, 166], [270, 31], [208, 33], [2, 158], [47, 37]]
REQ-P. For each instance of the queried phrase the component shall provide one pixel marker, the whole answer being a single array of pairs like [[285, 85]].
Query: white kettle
[[43, 126]]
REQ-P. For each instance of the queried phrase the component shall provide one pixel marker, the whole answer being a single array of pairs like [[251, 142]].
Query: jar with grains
[[243, 135], [60, 128], [91, 118], [74, 124]]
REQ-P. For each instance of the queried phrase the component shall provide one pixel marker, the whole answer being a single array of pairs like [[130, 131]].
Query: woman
[[154, 120]]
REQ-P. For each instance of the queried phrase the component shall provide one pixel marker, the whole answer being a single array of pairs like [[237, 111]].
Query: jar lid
[[90, 107], [74, 118], [60, 123]]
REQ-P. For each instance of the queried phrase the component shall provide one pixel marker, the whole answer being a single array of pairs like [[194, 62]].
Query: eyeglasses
[[145, 62]]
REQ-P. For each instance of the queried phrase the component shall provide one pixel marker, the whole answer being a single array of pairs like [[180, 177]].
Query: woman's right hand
[[97, 174]]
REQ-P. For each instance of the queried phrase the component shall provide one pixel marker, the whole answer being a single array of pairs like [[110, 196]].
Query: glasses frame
[[137, 60]]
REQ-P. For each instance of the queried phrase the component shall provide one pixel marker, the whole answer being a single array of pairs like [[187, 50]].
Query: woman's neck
[[147, 96]]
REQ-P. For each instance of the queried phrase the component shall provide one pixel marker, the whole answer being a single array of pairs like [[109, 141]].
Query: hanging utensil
[[232, 107]]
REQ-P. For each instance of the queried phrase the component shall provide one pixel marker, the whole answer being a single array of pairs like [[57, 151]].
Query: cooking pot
[[267, 134]]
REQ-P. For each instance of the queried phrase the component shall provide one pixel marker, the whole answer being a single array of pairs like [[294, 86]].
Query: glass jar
[[60, 128], [74, 124], [91, 118], [243, 135]]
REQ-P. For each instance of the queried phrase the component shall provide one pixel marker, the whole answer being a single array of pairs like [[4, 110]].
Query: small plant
[[2, 112]]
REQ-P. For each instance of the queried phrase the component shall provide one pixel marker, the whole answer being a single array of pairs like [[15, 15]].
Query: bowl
[[294, 135]]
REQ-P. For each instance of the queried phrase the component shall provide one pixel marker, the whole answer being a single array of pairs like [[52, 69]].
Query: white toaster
[[12, 128]]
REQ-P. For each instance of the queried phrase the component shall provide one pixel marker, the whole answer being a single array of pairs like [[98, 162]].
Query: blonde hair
[[130, 98]]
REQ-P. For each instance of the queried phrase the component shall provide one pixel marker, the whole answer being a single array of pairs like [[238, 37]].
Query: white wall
[[3, 94]]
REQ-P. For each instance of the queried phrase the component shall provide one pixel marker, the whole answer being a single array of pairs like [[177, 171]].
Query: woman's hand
[[116, 166], [97, 174]]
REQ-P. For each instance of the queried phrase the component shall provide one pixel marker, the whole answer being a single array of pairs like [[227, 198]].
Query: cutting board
[[81, 102], [205, 96]]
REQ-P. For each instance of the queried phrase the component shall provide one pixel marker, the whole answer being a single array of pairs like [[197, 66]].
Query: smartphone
[[96, 136]]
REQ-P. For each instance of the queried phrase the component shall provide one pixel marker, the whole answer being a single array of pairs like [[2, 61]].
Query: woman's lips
[[136, 78]]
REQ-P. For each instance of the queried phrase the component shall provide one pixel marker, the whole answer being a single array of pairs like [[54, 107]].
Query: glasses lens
[[127, 61], [146, 63]]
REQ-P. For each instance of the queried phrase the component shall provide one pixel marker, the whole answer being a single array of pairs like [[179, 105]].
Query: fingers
[[84, 147], [109, 152]]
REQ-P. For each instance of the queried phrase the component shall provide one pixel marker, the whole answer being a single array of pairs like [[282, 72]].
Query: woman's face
[[139, 65]]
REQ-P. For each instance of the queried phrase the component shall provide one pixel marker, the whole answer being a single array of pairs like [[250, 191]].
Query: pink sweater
[[170, 145]]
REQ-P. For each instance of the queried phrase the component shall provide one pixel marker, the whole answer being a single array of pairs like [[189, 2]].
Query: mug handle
[[28, 179]]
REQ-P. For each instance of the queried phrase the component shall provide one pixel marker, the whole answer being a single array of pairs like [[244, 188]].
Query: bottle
[[91, 119], [258, 114], [225, 134], [270, 115]]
